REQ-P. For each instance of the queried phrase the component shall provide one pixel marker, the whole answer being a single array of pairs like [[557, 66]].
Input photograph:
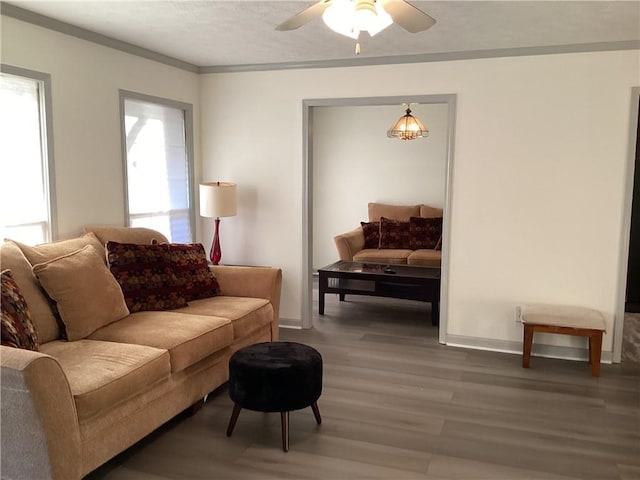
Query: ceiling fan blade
[[410, 18], [304, 16]]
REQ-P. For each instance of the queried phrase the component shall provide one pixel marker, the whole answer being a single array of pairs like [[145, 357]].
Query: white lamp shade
[[218, 199]]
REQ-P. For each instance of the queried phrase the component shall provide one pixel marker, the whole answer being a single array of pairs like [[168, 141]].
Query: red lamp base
[[216, 252]]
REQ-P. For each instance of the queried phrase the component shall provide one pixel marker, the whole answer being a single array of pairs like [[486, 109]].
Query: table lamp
[[217, 199]]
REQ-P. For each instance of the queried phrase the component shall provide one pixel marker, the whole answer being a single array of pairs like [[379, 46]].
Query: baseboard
[[290, 323], [539, 350]]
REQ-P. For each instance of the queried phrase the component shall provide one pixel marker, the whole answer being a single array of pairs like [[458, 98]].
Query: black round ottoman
[[275, 377]]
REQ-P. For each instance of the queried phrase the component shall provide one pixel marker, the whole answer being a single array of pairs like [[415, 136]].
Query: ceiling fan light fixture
[[350, 17], [408, 127], [382, 21], [339, 17]]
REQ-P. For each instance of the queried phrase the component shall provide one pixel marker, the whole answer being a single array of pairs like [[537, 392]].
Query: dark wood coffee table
[[407, 282]]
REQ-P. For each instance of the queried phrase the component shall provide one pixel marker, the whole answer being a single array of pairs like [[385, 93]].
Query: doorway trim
[[307, 190], [618, 321]]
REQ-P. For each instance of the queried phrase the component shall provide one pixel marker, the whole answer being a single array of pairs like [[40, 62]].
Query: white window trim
[[47, 139], [188, 126]]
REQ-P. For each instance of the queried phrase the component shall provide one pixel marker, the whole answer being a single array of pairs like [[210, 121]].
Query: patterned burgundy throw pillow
[[371, 232], [424, 232], [191, 268], [145, 274], [394, 233], [17, 329]]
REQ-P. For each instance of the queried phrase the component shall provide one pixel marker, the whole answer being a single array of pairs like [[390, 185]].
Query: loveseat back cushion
[[16, 329], [393, 212], [86, 294], [394, 233], [42, 314], [145, 274], [424, 232], [427, 211], [188, 338], [139, 235], [104, 374]]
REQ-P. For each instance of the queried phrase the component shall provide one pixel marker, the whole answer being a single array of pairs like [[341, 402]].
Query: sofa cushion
[[86, 294], [394, 233], [426, 258], [424, 232], [103, 374], [430, 212], [383, 255], [246, 314], [139, 235], [188, 338], [194, 278], [48, 251], [42, 313], [395, 212], [16, 329], [371, 232], [145, 274]]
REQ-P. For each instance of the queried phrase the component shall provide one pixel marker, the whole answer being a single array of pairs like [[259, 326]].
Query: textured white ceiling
[[237, 32]]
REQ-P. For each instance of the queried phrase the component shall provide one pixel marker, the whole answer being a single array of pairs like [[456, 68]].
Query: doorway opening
[[627, 330], [308, 188]]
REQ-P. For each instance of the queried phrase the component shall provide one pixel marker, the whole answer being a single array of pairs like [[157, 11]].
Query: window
[[158, 164], [26, 161]]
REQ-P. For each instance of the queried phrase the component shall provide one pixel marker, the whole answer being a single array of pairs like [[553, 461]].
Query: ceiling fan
[[350, 17]]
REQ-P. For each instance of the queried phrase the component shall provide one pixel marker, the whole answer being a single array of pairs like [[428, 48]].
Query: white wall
[[354, 162], [537, 182], [538, 175], [85, 80]]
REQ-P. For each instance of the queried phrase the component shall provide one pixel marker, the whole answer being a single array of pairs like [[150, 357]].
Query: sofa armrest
[[40, 436], [349, 243], [256, 282]]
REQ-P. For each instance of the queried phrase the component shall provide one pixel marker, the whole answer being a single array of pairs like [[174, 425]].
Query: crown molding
[[68, 29], [432, 57]]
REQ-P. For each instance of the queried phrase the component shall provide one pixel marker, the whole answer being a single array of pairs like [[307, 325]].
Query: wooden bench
[[566, 320]]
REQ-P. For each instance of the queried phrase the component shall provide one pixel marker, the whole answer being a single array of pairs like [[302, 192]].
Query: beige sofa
[[73, 405], [351, 245]]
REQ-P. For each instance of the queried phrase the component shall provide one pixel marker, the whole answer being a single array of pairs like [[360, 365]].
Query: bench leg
[[526, 345], [284, 420], [234, 418], [595, 351]]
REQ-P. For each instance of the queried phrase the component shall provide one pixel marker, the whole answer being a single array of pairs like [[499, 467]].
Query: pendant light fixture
[[408, 127]]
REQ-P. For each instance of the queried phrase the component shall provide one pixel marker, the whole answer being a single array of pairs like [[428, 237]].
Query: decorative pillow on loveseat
[[394, 233], [194, 278], [16, 327], [145, 274], [371, 231], [86, 294], [424, 232]]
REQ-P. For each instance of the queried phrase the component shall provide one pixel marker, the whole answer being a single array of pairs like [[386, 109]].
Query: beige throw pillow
[[48, 251], [87, 295]]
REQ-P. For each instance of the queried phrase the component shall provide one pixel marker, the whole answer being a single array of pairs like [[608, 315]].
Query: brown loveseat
[[73, 405], [414, 221]]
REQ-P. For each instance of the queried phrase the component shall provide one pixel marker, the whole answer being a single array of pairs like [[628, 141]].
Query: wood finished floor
[[397, 405]]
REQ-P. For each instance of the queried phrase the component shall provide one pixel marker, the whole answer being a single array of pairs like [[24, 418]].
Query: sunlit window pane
[[23, 162], [157, 169]]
